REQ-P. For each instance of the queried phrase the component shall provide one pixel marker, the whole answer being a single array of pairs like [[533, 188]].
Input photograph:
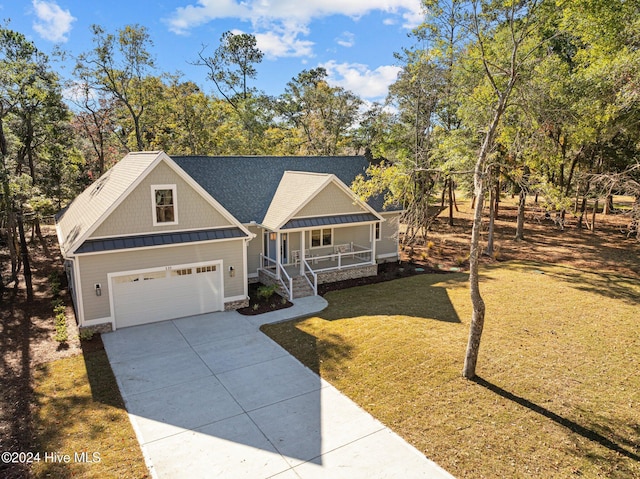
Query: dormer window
[[164, 202]]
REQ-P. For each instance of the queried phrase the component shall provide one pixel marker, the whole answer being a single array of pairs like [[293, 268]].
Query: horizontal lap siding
[[135, 214], [94, 269]]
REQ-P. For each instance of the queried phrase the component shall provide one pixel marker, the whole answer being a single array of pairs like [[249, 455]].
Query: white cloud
[[347, 40], [284, 41], [280, 23], [358, 78], [53, 23]]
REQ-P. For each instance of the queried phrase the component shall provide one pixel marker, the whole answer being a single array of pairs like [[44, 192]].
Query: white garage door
[[167, 293]]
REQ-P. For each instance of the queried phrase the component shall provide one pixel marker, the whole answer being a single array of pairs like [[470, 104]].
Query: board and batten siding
[[135, 214], [94, 268], [332, 200]]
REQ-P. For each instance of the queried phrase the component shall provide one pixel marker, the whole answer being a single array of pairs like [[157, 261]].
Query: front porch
[[302, 276]]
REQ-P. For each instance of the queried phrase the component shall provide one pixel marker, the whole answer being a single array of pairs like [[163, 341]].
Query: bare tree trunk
[[608, 205], [11, 243], [520, 219], [593, 216], [25, 257], [496, 196], [450, 201], [492, 216], [455, 201], [38, 230], [583, 209], [477, 317]]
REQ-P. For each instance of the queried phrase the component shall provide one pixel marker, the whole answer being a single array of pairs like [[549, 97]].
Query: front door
[[284, 248], [270, 245]]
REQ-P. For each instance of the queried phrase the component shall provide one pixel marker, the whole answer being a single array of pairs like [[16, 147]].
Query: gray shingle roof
[[329, 220], [159, 239], [245, 185]]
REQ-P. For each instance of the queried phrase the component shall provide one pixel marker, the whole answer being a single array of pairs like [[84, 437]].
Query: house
[[159, 237]]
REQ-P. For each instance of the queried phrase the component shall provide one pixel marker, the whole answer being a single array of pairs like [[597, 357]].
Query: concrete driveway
[[211, 396]]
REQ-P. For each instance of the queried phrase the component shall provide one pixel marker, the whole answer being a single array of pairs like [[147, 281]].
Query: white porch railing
[[271, 268], [313, 284], [360, 254]]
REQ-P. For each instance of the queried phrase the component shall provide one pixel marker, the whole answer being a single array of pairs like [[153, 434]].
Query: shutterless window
[[181, 272], [206, 269], [164, 204], [323, 237], [377, 231]]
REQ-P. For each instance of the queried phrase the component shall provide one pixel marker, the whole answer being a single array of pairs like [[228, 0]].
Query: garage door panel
[[162, 294]]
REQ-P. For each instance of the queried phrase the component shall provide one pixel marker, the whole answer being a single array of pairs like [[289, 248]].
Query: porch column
[[373, 242], [302, 248], [278, 256]]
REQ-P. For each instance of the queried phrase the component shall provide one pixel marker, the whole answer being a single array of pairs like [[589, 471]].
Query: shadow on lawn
[[104, 388], [422, 296], [605, 284], [571, 425]]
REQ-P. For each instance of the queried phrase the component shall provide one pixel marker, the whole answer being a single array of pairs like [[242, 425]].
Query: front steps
[[301, 287]]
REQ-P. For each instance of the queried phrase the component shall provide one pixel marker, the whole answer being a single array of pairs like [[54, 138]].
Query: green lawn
[[83, 413], [559, 394]]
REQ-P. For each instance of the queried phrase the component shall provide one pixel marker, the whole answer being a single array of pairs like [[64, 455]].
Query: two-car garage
[[150, 295]]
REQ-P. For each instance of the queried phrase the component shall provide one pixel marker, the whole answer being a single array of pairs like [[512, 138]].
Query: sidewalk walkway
[[211, 396]]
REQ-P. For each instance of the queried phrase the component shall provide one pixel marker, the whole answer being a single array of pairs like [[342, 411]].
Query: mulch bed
[[258, 305], [386, 272]]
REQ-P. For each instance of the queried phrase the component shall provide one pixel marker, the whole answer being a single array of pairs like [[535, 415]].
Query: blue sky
[[353, 39]]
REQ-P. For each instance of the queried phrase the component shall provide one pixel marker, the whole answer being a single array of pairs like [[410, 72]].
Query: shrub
[[56, 302], [61, 328], [460, 259], [86, 334], [266, 291]]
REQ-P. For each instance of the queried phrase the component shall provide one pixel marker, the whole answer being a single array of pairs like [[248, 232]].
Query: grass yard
[[559, 388], [79, 413]]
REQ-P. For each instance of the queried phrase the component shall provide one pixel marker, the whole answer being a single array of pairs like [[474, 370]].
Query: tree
[[504, 39], [33, 119], [232, 65], [118, 66], [230, 68], [94, 124], [320, 115]]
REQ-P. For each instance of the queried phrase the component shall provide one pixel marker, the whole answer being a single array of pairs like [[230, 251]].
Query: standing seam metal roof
[[159, 239], [329, 220]]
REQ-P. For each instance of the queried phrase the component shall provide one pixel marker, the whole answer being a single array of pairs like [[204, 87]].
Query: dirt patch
[[605, 249]]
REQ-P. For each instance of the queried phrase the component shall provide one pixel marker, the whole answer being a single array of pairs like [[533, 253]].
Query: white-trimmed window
[[378, 231], [321, 237], [164, 200]]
